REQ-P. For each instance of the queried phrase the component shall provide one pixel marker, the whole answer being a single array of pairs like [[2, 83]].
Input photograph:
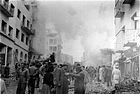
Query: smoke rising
[[85, 26]]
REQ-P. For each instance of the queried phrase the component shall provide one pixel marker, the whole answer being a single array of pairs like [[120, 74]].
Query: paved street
[[11, 85], [11, 89]]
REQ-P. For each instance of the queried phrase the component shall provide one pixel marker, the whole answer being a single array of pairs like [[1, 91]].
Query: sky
[[84, 25]]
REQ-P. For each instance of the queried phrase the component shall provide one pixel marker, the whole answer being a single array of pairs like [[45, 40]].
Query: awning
[[130, 44], [132, 52]]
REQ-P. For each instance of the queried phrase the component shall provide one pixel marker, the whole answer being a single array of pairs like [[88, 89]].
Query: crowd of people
[[54, 78], [48, 77]]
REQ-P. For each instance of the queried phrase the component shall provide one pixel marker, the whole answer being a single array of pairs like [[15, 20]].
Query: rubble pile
[[128, 85], [99, 88]]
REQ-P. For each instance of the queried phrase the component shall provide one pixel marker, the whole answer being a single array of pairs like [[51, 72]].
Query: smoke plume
[[85, 26]]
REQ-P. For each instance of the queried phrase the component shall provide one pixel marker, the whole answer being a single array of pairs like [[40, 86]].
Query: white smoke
[[85, 26]]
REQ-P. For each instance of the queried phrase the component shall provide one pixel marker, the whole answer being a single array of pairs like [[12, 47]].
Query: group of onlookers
[[110, 75], [105, 73], [54, 79], [50, 78]]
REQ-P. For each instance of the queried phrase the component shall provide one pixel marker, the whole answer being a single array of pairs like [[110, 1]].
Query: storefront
[[6, 52], [5, 56], [132, 62]]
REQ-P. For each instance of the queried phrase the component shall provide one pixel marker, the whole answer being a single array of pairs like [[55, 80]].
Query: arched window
[[16, 53], [21, 56]]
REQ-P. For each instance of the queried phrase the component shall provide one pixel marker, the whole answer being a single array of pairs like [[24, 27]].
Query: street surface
[[11, 89]]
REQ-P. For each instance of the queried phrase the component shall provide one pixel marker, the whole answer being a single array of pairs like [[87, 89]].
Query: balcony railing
[[6, 9], [128, 1], [119, 9], [27, 30], [132, 37]]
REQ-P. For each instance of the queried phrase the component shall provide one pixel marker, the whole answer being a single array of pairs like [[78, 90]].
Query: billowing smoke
[[85, 26]]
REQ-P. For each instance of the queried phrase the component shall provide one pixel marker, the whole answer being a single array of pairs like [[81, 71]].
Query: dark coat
[[65, 82], [57, 80], [22, 82], [79, 84], [61, 81]]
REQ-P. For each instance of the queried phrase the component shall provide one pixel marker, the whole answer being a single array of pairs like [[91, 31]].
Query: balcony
[[4, 7], [27, 30], [128, 2], [131, 38], [119, 9]]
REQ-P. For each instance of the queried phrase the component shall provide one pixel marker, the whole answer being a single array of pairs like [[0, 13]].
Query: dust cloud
[[85, 26]]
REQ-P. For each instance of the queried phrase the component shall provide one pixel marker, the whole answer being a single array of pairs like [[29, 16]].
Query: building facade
[[127, 30], [53, 44], [38, 43], [15, 31]]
